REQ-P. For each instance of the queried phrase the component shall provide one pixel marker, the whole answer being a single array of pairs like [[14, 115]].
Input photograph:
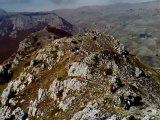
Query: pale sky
[[47, 5]]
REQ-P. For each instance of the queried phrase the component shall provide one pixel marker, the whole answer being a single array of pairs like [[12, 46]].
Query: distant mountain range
[[14, 27]]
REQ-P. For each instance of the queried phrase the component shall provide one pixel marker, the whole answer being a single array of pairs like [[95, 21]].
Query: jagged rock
[[118, 46], [138, 72], [32, 63], [90, 112], [30, 78], [45, 57], [16, 85], [5, 112], [13, 102], [32, 108], [42, 66], [6, 92], [59, 54], [54, 88], [78, 69], [41, 57], [113, 117], [19, 114], [41, 94], [49, 67], [15, 62], [73, 84], [36, 70], [26, 44], [12, 88], [64, 104], [114, 67], [18, 56], [49, 60], [65, 86]]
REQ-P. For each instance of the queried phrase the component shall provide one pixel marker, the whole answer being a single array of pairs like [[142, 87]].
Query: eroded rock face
[[79, 69], [32, 108], [64, 86], [138, 72], [13, 102], [90, 112], [46, 56], [15, 86], [59, 54], [15, 23], [6, 93], [5, 112], [26, 44], [65, 103], [19, 114], [41, 94]]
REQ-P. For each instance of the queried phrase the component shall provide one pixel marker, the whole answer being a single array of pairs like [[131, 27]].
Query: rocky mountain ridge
[[89, 76], [14, 27], [135, 25], [26, 21]]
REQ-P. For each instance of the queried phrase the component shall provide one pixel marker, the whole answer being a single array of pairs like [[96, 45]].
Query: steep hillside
[[81, 77], [14, 27], [135, 25]]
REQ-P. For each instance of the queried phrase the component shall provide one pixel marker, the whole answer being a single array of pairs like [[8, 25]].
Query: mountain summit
[[81, 77]]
